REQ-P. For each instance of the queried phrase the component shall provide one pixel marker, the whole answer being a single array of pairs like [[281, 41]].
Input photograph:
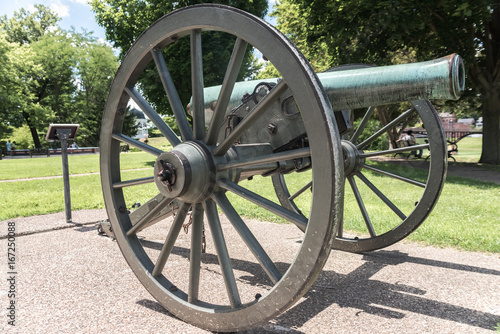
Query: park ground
[[70, 279]]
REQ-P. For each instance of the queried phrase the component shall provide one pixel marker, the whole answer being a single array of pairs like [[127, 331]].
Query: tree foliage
[[292, 22], [27, 27], [374, 32], [124, 21], [17, 71], [52, 76], [96, 65]]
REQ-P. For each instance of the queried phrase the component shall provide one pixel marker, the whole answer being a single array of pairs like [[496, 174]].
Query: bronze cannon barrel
[[442, 78]]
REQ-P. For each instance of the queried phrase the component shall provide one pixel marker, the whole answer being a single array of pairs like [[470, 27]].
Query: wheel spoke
[[173, 95], [171, 238], [289, 215], [137, 144], [394, 151], [395, 176], [222, 253], [362, 125], [301, 190], [386, 128], [226, 90], [137, 215], [252, 243], [340, 228], [362, 207], [153, 116], [381, 196], [135, 182], [151, 214], [251, 117], [195, 255], [198, 103], [270, 158]]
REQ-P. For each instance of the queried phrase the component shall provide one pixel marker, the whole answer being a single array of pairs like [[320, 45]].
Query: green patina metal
[[442, 78]]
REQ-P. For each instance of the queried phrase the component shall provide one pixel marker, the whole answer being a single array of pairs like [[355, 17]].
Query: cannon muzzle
[[359, 86], [442, 78]]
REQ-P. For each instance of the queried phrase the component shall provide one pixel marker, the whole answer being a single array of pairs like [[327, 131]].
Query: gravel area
[[71, 280]]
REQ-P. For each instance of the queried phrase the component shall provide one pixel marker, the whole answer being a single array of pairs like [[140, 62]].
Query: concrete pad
[[55, 221], [71, 280]]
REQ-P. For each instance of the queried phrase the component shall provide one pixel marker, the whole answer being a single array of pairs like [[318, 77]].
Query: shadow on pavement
[[357, 290]]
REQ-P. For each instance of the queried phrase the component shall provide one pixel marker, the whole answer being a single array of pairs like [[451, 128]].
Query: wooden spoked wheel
[[384, 201], [199, 177]]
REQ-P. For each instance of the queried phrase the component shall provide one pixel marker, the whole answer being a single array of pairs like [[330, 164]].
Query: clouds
[[73, 13], [62, 8], [59, 8]]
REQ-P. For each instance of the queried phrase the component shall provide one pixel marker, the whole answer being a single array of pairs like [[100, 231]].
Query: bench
[[17, 152], [406, 155], [452, 149], [39, 151], [83, 150]]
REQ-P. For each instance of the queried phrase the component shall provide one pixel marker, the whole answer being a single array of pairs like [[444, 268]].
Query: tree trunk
[[34, 132], [491, 128], [384, 115]]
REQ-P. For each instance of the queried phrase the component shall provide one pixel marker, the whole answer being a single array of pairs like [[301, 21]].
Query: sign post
[[64, 132]]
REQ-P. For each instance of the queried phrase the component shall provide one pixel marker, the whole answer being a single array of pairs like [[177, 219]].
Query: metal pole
[[63, 135]]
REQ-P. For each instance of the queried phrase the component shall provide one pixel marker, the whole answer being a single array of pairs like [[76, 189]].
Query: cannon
[[266, 132]]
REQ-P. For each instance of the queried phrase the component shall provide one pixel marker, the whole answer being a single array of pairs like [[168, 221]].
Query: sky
[[74, 13]]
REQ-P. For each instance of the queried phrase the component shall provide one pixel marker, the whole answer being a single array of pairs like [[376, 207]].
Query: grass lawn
[[12, 169], [463, 218], [469, 149]]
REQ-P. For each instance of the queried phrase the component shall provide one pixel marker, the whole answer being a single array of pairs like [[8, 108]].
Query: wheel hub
[[166, 174], [352, 161], [187, 172]]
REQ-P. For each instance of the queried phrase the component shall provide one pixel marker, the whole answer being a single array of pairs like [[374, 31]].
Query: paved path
[[71, 280], [466, 170]]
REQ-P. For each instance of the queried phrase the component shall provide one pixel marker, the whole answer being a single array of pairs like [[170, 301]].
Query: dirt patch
[[474, 172]]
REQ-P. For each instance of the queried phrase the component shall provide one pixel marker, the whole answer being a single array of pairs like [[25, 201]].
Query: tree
[[374, 31], [124, 21], [17, 69], [96, 65], [52, 86], [293, 24], [53, 76], [25, 27], [33, 97]]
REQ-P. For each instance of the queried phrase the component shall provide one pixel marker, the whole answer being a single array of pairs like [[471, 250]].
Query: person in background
[[408, 139]]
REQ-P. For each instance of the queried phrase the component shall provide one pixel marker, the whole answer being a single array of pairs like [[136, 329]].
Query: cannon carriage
[[241, 132]]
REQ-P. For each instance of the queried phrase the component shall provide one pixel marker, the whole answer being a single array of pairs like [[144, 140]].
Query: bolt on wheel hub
[[187, 172]]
